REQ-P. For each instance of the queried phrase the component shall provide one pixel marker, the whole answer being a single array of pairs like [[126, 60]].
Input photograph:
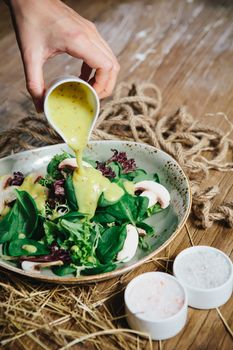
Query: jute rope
[[134, 113]]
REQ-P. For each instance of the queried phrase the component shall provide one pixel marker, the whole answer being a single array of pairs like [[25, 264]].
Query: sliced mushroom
[[71, 163], [7, 196], [160, 193], [35, 267], [130, 245], [153, 198]]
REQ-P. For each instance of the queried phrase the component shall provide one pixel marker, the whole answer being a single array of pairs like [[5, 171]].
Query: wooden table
[[186, 48]]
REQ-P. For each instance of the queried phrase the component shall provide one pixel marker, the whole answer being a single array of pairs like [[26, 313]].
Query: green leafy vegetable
[[64, 270], [101, 268], [23, 218], [15, 247], [149, 229], [91, 245], [89, 161], [70, 193], [116, 167], [110, 243], [153, 210], [129, 209], [52, 167]]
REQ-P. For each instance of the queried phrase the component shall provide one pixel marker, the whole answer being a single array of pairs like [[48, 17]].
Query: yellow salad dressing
[[71, 111], [37, 191]]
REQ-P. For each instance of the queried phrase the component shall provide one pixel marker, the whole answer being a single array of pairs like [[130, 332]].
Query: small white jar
[[207, 275], [156, 304], [92, 96]]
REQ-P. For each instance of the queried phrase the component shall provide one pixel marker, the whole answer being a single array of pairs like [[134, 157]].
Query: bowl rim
[[197, 248], [122, 270], [144, 275]]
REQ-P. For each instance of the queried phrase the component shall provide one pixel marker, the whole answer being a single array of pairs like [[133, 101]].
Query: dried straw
[[42, 316]]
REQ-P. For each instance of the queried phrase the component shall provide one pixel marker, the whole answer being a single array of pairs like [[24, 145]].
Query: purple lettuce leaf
[[56, 253]]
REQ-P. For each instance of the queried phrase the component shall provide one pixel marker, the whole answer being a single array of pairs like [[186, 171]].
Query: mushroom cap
[[71, 163], [163, 196]]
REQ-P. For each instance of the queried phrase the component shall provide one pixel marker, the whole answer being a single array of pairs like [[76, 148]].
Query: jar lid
[[207, 275]]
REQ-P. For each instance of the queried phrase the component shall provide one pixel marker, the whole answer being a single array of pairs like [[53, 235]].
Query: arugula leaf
[[52, 168], [70, 194], [153, 210], [23, 218], [51, 231], [15, 247], [110, 243], [80, 239]]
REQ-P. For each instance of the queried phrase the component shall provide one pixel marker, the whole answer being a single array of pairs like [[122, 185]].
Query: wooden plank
[[186, 48]]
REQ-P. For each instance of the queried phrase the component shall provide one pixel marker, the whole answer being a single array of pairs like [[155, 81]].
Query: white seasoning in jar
[[203, 269], [156, 297]]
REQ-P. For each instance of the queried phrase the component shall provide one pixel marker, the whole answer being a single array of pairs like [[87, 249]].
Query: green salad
[[41, 225]]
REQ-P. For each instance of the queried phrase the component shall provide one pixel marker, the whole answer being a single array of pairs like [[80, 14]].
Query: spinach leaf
[[150, 177], [131, 175], [98, 269], [23, 218], [149, 229], [127, 209], [89, 161], [39, 231], [103, 202], [52, 168], [142, 205], [63, 270], [5, 248], [15, 247], [116, 167], [140, 175], [110, 243], [70, 194], [73, 216]]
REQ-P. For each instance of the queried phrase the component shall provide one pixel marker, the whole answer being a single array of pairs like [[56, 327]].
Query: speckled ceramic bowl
[[167, 224]]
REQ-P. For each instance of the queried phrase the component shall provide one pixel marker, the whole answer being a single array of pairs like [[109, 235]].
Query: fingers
[[85, 72], [111, 82], [95, 56], [33, 67]]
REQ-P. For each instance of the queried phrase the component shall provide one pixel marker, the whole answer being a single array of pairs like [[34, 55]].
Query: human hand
[[49, 27]]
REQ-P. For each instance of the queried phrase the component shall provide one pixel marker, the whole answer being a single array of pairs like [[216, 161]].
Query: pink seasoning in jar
[[156, 297]]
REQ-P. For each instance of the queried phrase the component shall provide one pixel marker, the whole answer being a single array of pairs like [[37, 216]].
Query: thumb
[[33, 68]]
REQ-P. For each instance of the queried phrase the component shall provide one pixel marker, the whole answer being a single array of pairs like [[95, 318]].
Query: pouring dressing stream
[[70, 110]]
